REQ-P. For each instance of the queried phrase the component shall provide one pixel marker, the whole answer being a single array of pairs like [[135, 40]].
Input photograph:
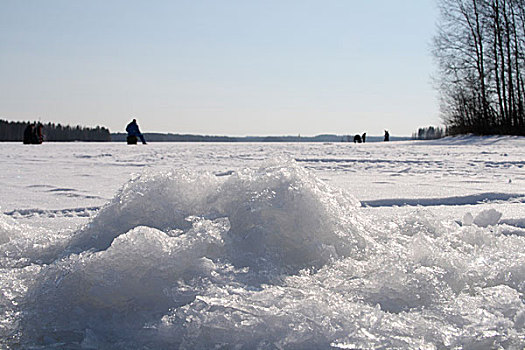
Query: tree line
[[429, 133], [479, 48], [14, 131]]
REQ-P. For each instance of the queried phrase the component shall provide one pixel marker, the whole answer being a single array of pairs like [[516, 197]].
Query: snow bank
[[476, 140], [266, 258]]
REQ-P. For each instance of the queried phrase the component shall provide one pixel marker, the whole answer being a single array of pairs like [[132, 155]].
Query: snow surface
[[413, 245]]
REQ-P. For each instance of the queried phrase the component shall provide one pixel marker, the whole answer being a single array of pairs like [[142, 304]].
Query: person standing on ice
[[28, 134], [133, 131], [387, 136], [39, 135]]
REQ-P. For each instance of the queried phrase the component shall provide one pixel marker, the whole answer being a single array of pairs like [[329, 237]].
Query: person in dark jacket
[[133, 132], [387, 135], [28, 134], [38, 135]]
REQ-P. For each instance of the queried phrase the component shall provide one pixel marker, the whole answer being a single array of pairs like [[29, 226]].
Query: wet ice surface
[[401, 245]]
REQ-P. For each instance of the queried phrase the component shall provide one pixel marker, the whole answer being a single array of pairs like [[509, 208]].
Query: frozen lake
[[263, 245]]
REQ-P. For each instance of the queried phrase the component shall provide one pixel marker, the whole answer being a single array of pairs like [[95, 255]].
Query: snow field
[[274, 254]]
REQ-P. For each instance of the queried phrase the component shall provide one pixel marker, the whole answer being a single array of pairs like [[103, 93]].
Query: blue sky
[[223, 67]]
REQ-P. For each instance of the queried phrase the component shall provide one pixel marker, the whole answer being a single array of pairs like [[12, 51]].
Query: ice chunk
[[487, 218], [468, 219]]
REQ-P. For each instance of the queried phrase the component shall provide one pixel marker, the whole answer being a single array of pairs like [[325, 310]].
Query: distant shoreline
[[160, 137]]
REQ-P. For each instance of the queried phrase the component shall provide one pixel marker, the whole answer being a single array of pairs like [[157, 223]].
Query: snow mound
[[279, 217]]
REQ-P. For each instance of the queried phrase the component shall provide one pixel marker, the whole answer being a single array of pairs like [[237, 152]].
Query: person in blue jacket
[[133, 131]]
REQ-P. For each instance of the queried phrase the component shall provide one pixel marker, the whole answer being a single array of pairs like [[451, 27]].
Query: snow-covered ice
[[413, 245]]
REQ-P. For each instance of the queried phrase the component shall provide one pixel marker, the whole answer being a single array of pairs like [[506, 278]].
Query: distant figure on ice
[[38, 135], [28, 134], [387, 136], [133, 131], [357, 138], [363, 137], [33, 134]]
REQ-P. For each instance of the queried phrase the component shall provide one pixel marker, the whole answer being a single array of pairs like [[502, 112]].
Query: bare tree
[[479, 49]]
